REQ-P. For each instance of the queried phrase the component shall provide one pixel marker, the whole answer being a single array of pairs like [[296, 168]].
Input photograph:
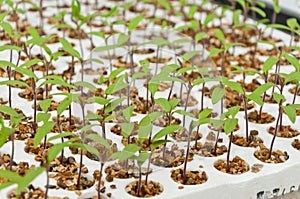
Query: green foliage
[[217, 94], [127, 152], [134, 22], [22, 181], [269, 63]]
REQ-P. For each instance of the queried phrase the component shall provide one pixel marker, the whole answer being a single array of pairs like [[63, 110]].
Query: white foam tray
[[272, 180]]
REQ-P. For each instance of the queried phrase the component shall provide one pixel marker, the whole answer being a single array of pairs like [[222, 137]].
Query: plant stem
[[276, 129], [99, 182], [187, 154], [228, 153], [81, 151], [12, 136], [62, 139], [196, 139], [47, 181], [157, 59], [295, 94], [139, 182], [186, 102]]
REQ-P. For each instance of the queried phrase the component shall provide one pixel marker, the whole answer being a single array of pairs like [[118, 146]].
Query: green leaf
[[10, 47], [262, 88], [63, 105], [165, 131], [199, 36], [292, 77], [154, 115], [122, 39], [43, 117], [7, 28], [69, 48], [10, 175], [204, 114], [258, 11], [98, 61], [165, 4], [234, 85], [215, 51], [234, 110], [217, 94], [8, 110], [115, 73], [128, 152], [174, 103], [182, 112], [292, 23], [55, 150], [220, 35], [113, 104], [119, 84], [127, 129], [188, 55], [158, 143], [278, 98], [293, 60], [45, 104], [210, 17], [86, 85], [28, 178], [256, 98], [291, 113], [98, 139], [134, 22], [98, 100], [61, 135], [278, 26], [230, 125], [127, 112], [269, 63], [165, 104], [5, 132], [142, 157], [42, 132], [110, 13]]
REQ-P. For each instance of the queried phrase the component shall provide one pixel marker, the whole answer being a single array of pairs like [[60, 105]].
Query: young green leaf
[[45, 104], [165, 104], [142, 157], [217, 94], [278, 98], [127, 153], [134, 22], [42, 132], [98, 139], [165, 131], [229, 125], [127, 129], [269, 63]]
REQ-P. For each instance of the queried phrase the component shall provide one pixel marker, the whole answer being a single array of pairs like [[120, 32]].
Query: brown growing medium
[[123, 171], [30, 192], [208, 149], [173, 157], [285, 131], [296, 144], [147, 190], [237, 166], [182, 135], [191, 102], [254, 140], [264, 119], [163, 121], [192, 177], [278, 156]]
